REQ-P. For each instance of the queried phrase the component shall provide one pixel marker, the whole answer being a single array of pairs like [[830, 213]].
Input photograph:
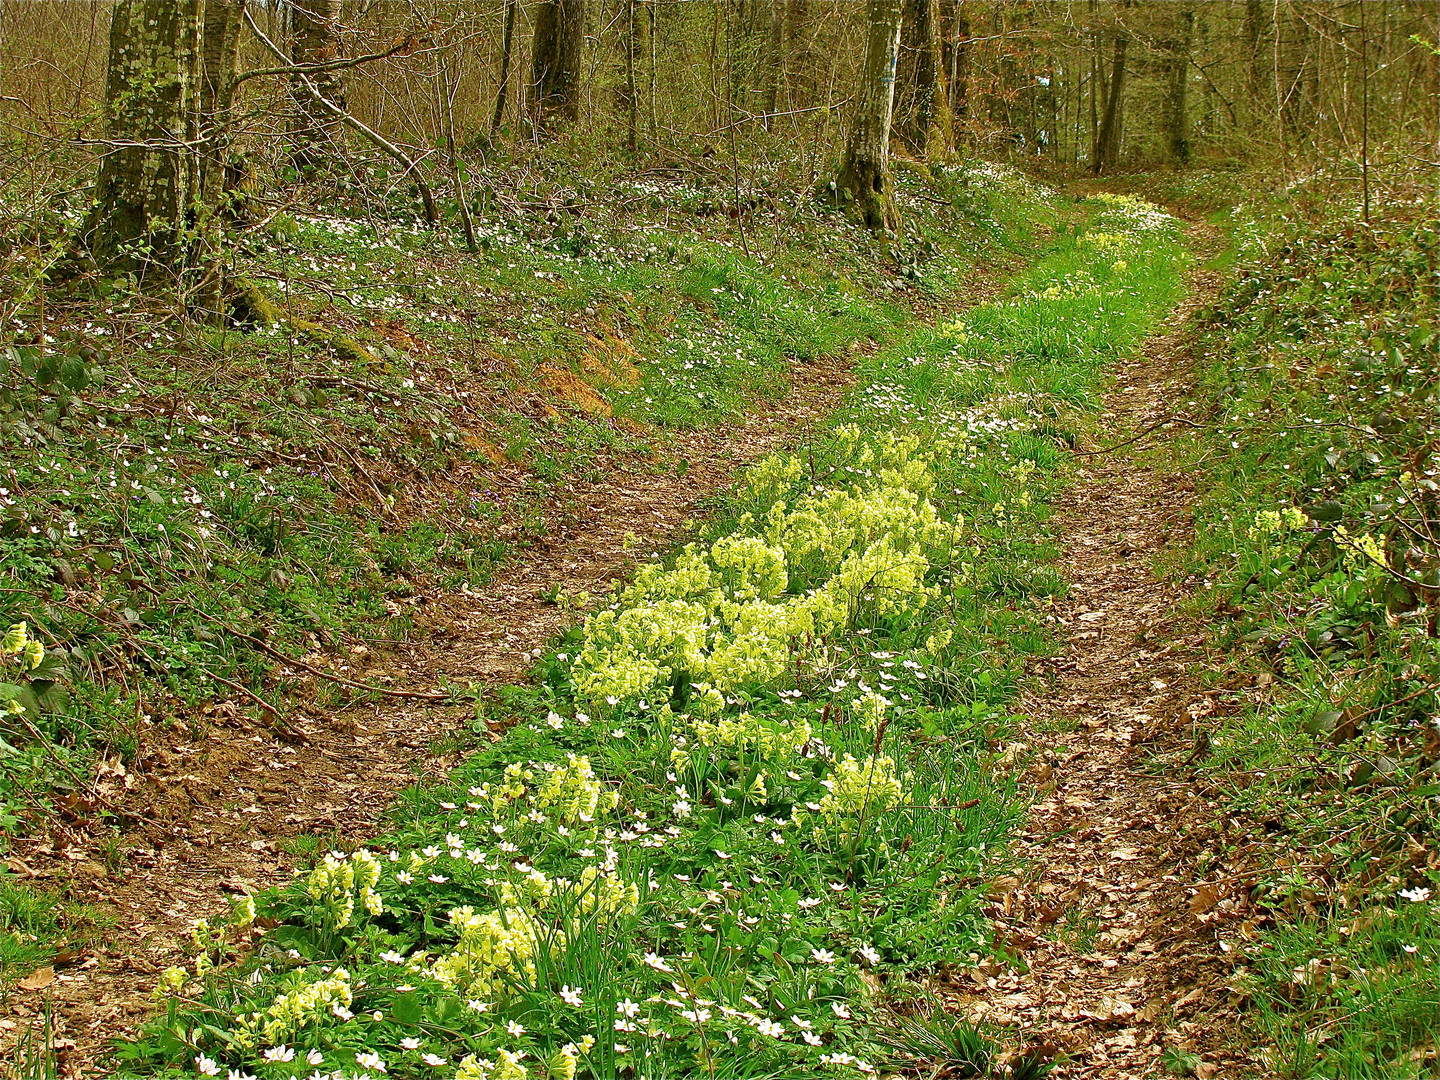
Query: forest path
[[1107, 911], [220, 808]]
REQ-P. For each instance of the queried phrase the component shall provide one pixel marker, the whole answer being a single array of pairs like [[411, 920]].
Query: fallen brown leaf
[[38, 979]]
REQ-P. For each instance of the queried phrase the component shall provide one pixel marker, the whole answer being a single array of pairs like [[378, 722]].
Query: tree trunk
[[1177, 81], [1107, 147], [958, 66], [800, 81], [316, 132], [147, 177], [865, 168], [507, 53], [630, 96], [774, 61], [219, 66], [916, 83], [220, 63], [555, 63], [1253, 32]]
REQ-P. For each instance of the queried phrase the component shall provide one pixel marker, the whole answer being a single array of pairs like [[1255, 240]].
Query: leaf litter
[[1117, 952]]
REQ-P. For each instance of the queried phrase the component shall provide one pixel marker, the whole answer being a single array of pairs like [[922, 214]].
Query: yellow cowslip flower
[[572, 792], [295, 1008], [15, 638], [562, 1063], [508, 1066], [171, 982], [474, 1068], [862, 788], [34, 654], [244, 913]]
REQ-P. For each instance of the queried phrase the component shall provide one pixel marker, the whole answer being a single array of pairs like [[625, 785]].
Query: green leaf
[[23, 694]]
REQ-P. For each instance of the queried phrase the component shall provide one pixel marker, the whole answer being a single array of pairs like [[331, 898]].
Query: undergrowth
[[386, 416], [756, 790], [1318, 538]]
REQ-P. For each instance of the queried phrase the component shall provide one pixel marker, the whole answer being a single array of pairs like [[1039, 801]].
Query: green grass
[[1319, 507], [761, 786]]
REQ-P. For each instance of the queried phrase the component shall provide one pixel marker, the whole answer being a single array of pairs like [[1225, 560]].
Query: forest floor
[[1117, 940], [1120, 951], [236, 816]]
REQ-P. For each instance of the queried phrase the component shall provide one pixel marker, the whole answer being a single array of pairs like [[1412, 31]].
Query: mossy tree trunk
[[148, 175], [318, 133], [219, 66], [865, 167], [555, 60]]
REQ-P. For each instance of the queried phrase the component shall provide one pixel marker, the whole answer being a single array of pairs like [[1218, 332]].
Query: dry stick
[[1137, 438], [343, 115], [414, 695]]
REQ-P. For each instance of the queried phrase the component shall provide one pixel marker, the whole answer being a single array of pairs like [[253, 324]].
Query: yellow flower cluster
[[18, 643], [773, 740], [508, 1067], [862, 789], [494, 948], [1272, 522], [724, 617], [572, 793], [292, 1010], [333, 883], [1363, 553]]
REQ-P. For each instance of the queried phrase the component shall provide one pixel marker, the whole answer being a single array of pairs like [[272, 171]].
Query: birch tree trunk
[[555, 61], [865, 167], [318, 133], [147, 178]]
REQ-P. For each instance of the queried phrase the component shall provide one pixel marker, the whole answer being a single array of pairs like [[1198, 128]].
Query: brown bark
[[555, 61], [1107, 147], [865, 168], [147, 177], [1177, 81], [917, 82], [317, 132], [507, 53]]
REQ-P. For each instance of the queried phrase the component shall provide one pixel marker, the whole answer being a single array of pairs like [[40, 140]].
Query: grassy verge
[[757, 790], [1317, 537], [390, 417]]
